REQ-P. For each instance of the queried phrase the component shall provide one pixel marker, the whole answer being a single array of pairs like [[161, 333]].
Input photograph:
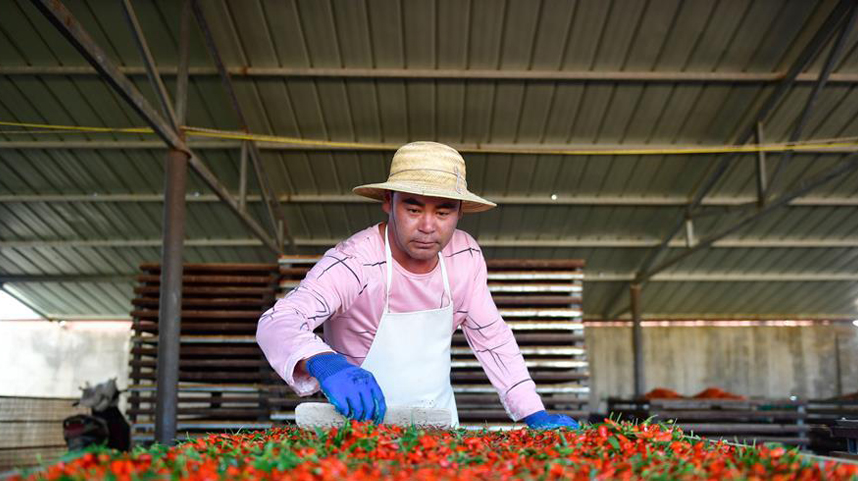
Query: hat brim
[[470, 202]]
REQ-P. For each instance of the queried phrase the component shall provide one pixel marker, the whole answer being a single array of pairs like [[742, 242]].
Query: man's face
[[421, 225]]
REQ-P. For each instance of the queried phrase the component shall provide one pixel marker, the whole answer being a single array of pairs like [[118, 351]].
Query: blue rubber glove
[[352, 390], [543, 420]]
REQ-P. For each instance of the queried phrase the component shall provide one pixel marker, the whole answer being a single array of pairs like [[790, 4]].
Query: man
[[390, 298]]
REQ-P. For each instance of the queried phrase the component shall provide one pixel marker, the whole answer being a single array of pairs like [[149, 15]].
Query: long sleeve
[[285, 332], [493, 343]]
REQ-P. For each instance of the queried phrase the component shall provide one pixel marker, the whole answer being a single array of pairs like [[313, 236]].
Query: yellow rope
[[224, 134], [815, 144], [40, 132], [686, 151], [804, 145], [128, 130]]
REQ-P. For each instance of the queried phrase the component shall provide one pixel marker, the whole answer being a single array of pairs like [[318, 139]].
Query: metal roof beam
[[845, 167], [724, 277], [805, 57], [52, 278], [757, 277], [226, 197], [582, 200], [151, 70], [23, 300], [589, 276], [807, 54], [272, 204], [71, 29], [804, 117], [762, 170], [575, 242], [242, 177], [448, 74], [184, 63], [468, 148]]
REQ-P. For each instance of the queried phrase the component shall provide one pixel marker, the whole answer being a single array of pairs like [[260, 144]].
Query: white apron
[[410, 355]]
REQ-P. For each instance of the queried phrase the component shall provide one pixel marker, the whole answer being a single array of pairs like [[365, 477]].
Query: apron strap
[[388, 256], [447, 289]]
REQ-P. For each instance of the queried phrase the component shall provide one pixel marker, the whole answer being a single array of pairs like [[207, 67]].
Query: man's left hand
[[543, 420]]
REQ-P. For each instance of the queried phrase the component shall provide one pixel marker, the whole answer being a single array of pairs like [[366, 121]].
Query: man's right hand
[[353, 391]]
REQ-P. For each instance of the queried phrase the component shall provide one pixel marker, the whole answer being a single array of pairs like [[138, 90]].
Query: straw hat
[[430, 169]]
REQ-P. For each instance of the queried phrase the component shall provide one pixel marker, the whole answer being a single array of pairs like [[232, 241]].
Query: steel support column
[[762, 172], [172, 244], [637, 341], [242, 178], [170, 302], [838, 369]]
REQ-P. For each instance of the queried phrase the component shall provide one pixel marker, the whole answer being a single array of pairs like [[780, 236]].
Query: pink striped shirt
[[345, 291]]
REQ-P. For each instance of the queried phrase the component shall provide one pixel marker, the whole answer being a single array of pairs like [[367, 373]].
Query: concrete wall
[[46, 359], [49, 360], [751, 361]]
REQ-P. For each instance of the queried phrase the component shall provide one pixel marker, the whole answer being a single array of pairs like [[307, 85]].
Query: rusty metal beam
[[845, 167], [807, 54], [71, 29], [638, 368], [715, 203], [589, 276], [242, 178], [184, 61], [600, 242], [170, 300], [762, 170], [467, 148], [151, 69], [241, 71], [805, 57], [804, 117], [272, 204]]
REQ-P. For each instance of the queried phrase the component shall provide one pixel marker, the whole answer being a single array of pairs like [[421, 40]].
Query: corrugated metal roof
[[46, 236]]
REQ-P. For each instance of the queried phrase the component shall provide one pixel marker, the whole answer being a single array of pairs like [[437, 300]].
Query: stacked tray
[[225, 383], [541, 301], [824, 415], [32, 430], [745, 421], [222, 372]]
